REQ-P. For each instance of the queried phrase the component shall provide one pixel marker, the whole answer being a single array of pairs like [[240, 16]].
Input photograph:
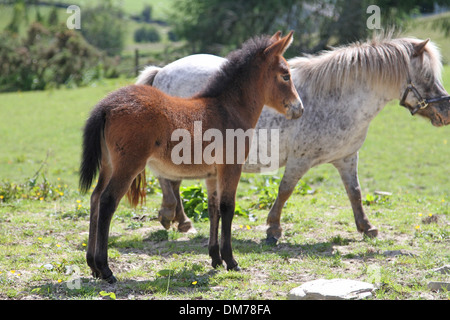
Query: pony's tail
[[136, 193], [92, 149], [147, 76]]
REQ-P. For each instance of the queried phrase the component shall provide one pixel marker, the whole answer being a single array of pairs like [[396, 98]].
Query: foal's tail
[[138, 190], [92, 156], [92, 149], [147, 76]]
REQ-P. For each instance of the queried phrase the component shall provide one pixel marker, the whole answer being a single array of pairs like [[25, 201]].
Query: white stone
[[438, 285], [444, 269], [334, 289]]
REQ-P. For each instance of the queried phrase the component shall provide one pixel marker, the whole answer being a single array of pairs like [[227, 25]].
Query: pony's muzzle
[[294, 109]]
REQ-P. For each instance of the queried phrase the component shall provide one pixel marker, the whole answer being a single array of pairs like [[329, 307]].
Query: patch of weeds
[[195, 203], [133, 225], [79, 212], [267, 189], [339, 240], [110, 295], [304, 188], [152, 186], [33, 189], [377, 198], [159, 236]]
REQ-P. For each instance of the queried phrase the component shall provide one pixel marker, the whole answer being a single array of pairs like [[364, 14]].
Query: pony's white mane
[[378, 62]]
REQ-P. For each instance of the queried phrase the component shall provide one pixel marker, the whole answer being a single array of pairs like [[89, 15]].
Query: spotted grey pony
[[342, 91]]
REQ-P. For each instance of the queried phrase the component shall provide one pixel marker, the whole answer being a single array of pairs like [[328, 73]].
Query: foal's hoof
[[235, 268], [371, 233], [271, 240], [111, 279], [217, 263]]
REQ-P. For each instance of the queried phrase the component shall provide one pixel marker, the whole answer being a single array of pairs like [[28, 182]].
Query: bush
[[147, 34], [103, 26], [46, 57]]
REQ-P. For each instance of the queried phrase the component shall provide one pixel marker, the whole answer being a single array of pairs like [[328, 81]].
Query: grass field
[[44, 221]]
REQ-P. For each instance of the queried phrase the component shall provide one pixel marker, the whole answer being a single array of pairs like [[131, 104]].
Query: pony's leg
[[121, 179], [172, 207], [292, 174], [214, 217], [184, 223], [103, 179], [228, 179], [348, 169], [167, 212]]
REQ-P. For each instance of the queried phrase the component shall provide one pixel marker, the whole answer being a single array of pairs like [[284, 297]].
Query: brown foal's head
[[280, 92]]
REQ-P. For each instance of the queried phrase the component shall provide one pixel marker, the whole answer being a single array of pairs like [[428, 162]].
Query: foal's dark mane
[[237, 67]]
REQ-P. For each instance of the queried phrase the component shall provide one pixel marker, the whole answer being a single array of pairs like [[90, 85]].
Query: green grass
[[36, 123]]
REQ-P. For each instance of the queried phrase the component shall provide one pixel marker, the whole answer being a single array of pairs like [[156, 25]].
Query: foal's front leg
[[228, 180], [348, 169], [214, 218]]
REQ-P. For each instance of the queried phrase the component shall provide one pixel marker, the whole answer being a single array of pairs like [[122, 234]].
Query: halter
[[423, 103]]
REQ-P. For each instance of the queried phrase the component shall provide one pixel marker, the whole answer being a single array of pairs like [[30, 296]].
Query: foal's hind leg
[[104, 176], [348, 169], [116, 188]]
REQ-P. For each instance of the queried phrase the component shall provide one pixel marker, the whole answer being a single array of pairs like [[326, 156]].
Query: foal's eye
[[286, 77]]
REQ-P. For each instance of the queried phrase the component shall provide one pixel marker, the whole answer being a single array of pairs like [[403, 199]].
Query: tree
[[217, 26], [104, 28], [147, 13]]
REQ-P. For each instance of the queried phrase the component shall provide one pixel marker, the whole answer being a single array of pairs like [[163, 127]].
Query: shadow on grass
[[159, 243], [184, 281], [192, 279]]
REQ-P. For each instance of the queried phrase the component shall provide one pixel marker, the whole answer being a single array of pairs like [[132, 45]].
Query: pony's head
[[423, 93], [280, 92]]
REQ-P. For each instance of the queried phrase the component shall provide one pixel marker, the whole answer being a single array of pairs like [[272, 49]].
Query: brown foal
[[133, 128]]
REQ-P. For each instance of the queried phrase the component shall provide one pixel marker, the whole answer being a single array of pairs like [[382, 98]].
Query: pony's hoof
[[186, 227], [371, 233], [111, 279], [165, 222], [271, 240]]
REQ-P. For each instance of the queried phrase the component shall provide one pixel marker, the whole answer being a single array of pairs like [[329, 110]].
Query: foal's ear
[[276, 36], [280, 46], [419, 48]]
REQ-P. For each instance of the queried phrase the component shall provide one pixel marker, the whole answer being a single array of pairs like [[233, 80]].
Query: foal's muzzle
[[294, 109]]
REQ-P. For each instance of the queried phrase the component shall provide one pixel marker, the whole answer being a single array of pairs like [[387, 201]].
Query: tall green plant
[[104, 27]]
